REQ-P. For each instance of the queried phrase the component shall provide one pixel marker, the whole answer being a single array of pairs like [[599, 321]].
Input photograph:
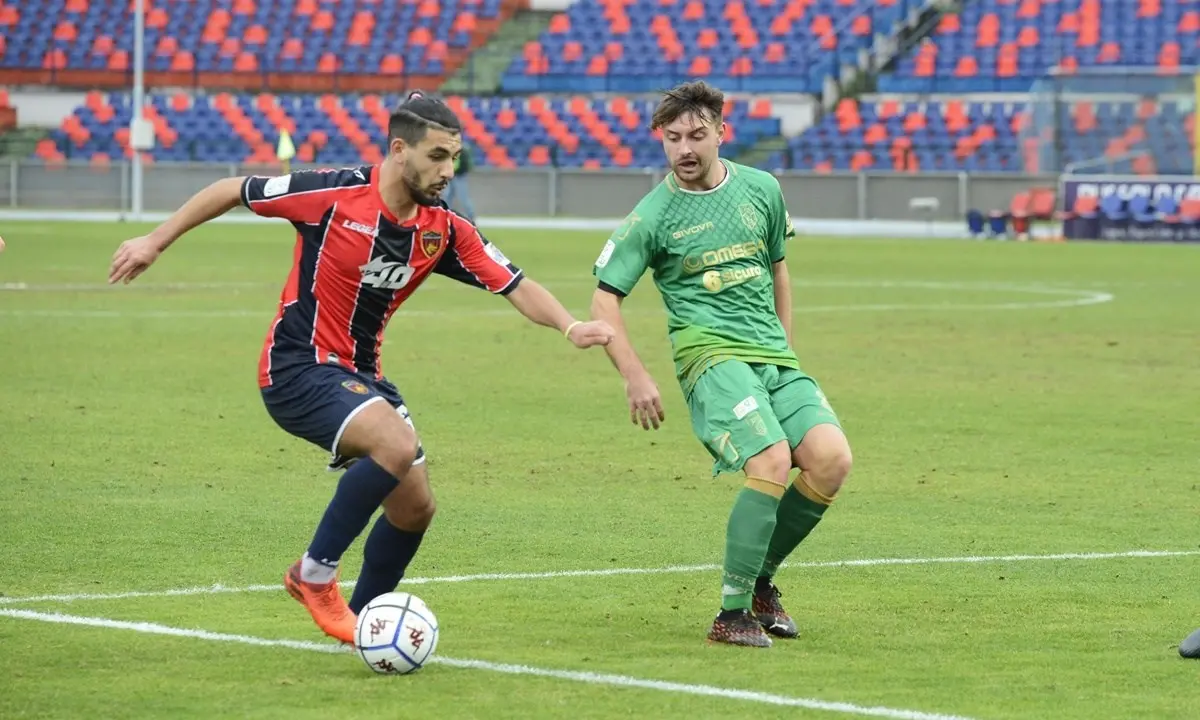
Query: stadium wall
[[536, 192]]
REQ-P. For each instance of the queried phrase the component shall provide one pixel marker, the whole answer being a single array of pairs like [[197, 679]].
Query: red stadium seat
[[539, 155]]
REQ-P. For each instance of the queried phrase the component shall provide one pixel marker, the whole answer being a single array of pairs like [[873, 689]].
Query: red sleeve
[[473, 260], [301, 197]]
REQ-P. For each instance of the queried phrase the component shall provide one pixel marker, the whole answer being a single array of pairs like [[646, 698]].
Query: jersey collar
[[674, 183]]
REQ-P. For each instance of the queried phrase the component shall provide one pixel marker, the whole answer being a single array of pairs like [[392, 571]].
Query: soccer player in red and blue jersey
[[367, 237]]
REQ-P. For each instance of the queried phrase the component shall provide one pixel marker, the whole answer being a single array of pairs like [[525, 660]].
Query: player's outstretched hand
[[645, 404], [587, 334], [132, 259], [1, 244]]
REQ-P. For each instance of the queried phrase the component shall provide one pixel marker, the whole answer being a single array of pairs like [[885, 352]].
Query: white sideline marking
[[106, 287], [1070, 298], [590, 678], [608, 572]]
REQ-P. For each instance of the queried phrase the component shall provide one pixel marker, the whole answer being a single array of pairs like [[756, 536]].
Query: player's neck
[[394, 193], [714, 177]]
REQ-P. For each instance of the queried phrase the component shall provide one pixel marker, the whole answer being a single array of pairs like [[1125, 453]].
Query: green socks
[[751, 524], [798, 514]]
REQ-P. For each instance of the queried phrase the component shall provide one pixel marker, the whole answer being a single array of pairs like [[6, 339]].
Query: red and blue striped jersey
[[355, 263]]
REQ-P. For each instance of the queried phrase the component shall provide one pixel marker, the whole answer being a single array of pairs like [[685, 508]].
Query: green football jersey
[[711, 254]]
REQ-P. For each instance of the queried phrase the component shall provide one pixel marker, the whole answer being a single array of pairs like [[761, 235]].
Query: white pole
[[139, 56]]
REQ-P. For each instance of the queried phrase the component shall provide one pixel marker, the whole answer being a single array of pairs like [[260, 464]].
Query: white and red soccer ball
[[396, 633]]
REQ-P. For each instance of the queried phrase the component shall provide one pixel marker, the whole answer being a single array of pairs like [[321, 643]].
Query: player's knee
[[396, 455], [831, 467], [414, 515], [772, 464]]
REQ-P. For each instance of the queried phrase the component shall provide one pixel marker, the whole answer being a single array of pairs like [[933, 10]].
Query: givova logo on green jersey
[[693, 230]]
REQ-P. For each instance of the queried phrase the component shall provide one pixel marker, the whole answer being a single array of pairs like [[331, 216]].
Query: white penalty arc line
[[591, 678], [609, 572]]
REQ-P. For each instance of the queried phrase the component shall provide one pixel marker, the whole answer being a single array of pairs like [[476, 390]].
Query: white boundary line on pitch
[[590, 678], [1073, 298], [799, 282], [609, 572], [884, 229]]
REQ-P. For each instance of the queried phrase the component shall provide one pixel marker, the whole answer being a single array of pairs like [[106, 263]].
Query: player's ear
[[396, 145], [721, 132]]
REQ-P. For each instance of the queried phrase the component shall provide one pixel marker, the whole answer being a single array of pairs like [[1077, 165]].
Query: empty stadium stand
[[572, 131], [286, 44], [748, 45], [911, 136], [331, 58], [1004, 45], [1140, 137]]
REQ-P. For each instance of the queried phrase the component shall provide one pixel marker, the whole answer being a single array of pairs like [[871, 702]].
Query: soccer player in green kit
[[713, 233]]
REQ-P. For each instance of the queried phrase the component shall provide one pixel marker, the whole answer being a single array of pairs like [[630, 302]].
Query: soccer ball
[[396, 633]]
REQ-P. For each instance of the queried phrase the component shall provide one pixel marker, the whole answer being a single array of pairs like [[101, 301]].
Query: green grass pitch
[[1002, 399]]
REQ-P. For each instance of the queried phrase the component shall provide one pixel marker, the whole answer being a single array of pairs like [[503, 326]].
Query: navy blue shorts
[[317, 402]]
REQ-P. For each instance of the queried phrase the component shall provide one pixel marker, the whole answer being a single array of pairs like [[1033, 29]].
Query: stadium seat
[[912, 137], [754, 46], [345, 129], [1143, 137], [1005, 45], [291, 37]]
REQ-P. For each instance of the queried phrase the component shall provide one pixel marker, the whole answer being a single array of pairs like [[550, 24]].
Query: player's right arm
[[297, 197], [134, 256], [622, 262]]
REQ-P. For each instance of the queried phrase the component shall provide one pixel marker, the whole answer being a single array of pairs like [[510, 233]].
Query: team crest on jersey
[[431, 242], [355, 386], [749, 215]]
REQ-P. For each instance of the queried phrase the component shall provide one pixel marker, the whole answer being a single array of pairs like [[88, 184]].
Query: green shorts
[[739, 409]]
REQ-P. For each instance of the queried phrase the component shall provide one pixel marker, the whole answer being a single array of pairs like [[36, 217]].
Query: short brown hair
[[698, 98]]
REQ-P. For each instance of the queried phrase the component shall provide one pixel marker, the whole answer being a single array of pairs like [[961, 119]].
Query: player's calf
[[823, 456], [394, 540], [411, 504], [751, 524], [388, 448]]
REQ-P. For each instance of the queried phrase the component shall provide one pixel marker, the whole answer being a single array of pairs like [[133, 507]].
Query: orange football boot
[[325, 603]]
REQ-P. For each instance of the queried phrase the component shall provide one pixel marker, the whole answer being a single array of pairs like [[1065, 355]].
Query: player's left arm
[[780, 230], [473, 260], [783, 297]]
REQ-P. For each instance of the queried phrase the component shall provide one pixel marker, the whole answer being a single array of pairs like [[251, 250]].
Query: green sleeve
[[626, 255], [780, 226]]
